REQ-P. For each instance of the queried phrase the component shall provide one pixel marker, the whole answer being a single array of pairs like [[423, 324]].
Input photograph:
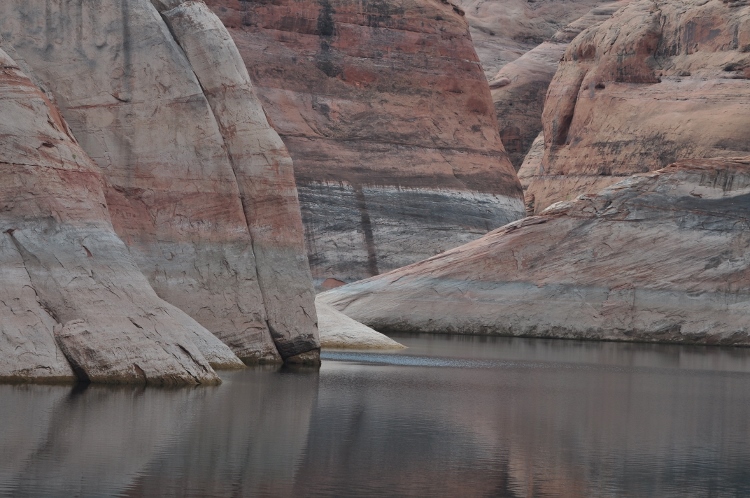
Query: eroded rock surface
[[658, 82], [388, 117], [74, 303], [660, 256], [520, 87], [199, 187]]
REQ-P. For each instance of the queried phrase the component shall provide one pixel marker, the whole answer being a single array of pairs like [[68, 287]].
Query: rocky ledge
[[659, 256]]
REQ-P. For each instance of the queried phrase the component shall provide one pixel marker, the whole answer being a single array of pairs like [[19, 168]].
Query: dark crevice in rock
[[369, 238]]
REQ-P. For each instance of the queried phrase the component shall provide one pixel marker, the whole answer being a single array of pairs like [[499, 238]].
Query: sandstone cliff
[[658, 82], [520, 87], [199, 186], [660, 256], [388, 117], [73, 302]]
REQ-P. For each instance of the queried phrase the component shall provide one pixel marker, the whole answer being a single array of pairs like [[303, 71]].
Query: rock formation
[[505, 30], [388, 117], [199, 187], [341, 332], [520, 87], [660, 256], [74, 303], [658, 82]]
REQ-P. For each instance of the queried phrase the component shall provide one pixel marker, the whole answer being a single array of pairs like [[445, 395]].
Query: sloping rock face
[[660, 256], [74, 303], [200, 188], [520, 87], [388, 117], [338, 331], [658, 82]]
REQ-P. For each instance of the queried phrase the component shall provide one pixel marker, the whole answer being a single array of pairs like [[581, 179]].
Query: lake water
[[450, 416]]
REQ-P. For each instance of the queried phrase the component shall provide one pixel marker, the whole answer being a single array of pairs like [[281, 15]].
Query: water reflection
[[461, 416]]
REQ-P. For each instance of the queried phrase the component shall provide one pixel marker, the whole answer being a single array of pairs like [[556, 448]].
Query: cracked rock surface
[[660, 256], [73, 303]]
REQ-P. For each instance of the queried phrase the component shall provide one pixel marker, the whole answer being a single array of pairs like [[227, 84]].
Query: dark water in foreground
[[461, 416]]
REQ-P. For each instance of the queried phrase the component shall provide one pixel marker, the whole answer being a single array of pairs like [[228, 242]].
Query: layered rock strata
[[520, 87], [388, 117], [74, 303], [658, 82], [200, 188], [660, 256]]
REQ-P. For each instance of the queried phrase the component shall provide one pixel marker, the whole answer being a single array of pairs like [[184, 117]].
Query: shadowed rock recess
[[658, 82], [388, 116], [659, 256], [197, 184]]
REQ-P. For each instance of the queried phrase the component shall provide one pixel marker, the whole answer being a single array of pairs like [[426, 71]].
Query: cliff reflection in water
[[455, 416]]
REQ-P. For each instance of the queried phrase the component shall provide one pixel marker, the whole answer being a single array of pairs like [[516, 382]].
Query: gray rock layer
[[657, 257]]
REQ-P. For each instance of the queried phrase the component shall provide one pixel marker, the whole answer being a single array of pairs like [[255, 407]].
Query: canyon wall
[[74, 305], [660, 256], [199, 186], [658, 82], [519, 88], [505, 30], [387, 114]]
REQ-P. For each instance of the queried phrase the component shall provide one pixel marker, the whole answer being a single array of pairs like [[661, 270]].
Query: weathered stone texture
[[198, 185], [389, 120], [658, 82], [660, 256], [74, 303]]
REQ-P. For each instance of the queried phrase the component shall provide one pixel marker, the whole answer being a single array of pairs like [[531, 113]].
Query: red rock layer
[[388, 117], [660, 81], [200, 188], [73, 302], [657, 257]]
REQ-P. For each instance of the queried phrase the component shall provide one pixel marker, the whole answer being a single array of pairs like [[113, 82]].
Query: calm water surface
[[450, 416]]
